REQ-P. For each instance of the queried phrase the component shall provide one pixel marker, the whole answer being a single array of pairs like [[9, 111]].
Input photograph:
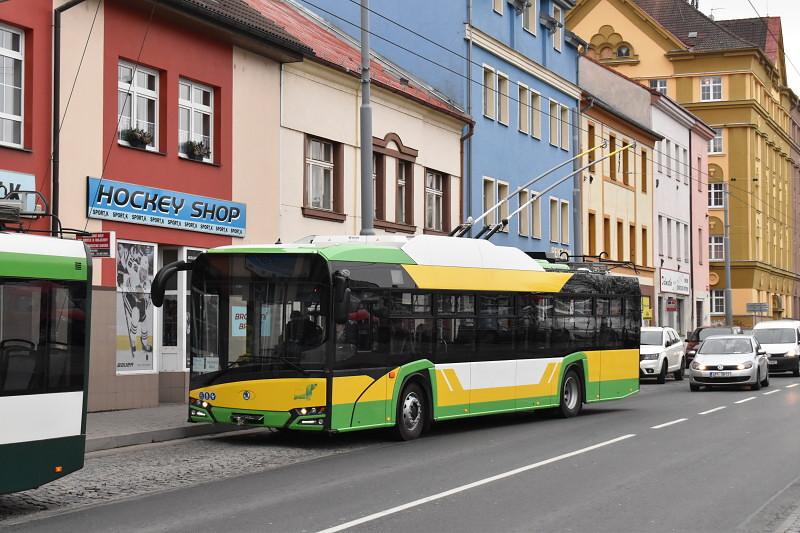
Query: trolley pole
[[367, 207], [727, 244]]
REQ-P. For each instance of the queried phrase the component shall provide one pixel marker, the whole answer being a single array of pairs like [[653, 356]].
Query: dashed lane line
[[714, 410], [746, 399], [678, 421], [770, 392], [468, 486], [792, 385]]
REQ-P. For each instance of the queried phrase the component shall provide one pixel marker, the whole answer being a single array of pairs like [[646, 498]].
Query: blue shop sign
[[136, 204]]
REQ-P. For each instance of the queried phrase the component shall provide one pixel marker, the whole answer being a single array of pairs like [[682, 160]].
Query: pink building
[[700, 136]]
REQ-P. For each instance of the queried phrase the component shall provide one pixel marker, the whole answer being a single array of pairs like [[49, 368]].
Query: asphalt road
[[662, 461]]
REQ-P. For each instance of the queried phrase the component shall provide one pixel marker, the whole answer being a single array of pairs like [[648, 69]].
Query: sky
[[788, 10]]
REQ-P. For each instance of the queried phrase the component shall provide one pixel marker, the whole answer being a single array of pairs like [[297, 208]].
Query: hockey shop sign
[[136, 204]]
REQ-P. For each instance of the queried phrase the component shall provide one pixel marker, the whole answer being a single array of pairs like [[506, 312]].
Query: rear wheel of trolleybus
[[571, 394], [412, 412]]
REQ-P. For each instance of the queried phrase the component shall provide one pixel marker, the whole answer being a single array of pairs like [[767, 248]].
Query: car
[[660, 353], [781, 340], [702, 333], [729, 360]]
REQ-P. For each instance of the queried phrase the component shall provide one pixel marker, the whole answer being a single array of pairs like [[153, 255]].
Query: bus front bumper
[[253, 418]]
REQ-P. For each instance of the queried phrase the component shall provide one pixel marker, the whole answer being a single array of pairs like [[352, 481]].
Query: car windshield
[[776, 336], [651, 338], [709, 332], [726, 346]]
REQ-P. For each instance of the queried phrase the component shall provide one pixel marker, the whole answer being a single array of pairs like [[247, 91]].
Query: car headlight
[[697, 366], [745, 365], [791, 353], [650, 356]]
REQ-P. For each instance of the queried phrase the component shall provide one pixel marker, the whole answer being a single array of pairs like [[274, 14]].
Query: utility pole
[[726, 243], [367, 207]]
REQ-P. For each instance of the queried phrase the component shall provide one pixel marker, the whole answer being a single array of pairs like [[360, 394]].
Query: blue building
[[513, 66]]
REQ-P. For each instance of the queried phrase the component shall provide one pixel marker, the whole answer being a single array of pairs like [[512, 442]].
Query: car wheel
[[412, 413], [765, 383], [694, 387], [662, 376], [571, 395], [757, 384], [678, 374], [796, 371]]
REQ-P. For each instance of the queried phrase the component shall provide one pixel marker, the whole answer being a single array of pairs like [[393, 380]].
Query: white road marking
[[468, 486], [746, 399], [678, 421], [714, 410], [770, 392], [792, 385]]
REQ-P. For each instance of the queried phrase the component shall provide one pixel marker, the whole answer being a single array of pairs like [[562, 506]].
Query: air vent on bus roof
[[78, 265]]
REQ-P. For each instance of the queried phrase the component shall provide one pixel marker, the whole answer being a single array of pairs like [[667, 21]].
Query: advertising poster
[[135, 270]]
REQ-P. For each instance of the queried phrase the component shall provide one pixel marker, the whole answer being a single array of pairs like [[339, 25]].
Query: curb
[[159, 435]]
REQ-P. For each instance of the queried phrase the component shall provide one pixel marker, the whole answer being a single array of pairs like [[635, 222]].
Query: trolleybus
[[347, 333], [44, 358]]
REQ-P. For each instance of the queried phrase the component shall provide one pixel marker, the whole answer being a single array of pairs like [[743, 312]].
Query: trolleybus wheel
[[412, 413], [571, 395]]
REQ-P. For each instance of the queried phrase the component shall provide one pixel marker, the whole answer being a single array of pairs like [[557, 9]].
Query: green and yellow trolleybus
[[347, 333], [44, 358]]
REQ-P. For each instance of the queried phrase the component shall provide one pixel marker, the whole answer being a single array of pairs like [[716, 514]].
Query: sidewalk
[[115, 429]]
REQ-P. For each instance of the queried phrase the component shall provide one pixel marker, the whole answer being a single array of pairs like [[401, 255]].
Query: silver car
[[729, 360]]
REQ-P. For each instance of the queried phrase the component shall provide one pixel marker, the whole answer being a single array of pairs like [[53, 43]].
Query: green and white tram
[[349, 333], [44, 358]]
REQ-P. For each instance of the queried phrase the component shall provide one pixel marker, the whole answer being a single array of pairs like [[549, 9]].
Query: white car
[[781, 340], [661, 353], [729, 360]]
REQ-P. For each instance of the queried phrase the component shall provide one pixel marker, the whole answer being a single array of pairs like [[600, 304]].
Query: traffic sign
[[758, 307]]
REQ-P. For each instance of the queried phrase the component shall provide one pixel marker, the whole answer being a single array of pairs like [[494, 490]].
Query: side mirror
[[761, 351], [341, 296], [159, 284], [692, 352]]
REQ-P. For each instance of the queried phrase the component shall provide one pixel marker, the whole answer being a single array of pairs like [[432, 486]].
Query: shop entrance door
[[169, 347]]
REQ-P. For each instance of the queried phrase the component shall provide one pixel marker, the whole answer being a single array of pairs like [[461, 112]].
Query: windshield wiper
[[290, 363]]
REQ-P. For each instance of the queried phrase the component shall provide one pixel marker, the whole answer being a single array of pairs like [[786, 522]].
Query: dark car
[[702, 333]]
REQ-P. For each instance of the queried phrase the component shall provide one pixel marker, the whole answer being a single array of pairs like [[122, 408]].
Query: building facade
[[699, 139], [514, 68], [732, 75]]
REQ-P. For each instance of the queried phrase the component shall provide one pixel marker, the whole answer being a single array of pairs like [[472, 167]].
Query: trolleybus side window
[[455, 328]]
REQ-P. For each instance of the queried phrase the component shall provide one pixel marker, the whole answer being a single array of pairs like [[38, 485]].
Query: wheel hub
[[570, 393], [412, 410]]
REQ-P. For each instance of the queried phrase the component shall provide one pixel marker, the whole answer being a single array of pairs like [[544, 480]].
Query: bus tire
[[412, 412], [571, 400]]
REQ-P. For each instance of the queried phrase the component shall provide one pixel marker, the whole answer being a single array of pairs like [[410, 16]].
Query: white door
[[169, 344]]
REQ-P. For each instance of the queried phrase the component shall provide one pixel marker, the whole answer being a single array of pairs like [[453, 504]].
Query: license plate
[[719, 374], [772, 362]]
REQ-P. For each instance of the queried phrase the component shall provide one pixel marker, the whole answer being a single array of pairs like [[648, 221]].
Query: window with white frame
[[536, 215], [489, 93], [558, 34], [536, 115], [716, 195], [554, 125], [489, 200], [668, 157], [661, 235], [711, 88], [319, 174], [405, 172], [659, 85], [502, 196], [669, 238], [717, 302], [678, 248], [565, 222], [715, 144], [554, 229], [523, 217], [529, 18], [195, 120], [503, 98], [686, 243], [685, 166], [137, 95], [434, 200], [564, 127], [12, 52], [716, 248], [497, 6], [524, 108]]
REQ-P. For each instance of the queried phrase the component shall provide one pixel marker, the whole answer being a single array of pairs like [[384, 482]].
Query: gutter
[[464, 138]]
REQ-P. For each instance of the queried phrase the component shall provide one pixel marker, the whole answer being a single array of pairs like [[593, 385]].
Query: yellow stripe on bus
[[485, 279]]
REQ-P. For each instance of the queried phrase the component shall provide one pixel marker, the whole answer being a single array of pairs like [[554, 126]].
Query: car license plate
[[772, 362], [719, 374]]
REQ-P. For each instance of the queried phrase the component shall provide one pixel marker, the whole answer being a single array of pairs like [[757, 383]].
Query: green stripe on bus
[[618, 388], [367, 254], [42, 266]]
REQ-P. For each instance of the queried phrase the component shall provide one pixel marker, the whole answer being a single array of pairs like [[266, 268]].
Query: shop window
[[137, 96], [195, 121], [12, 51]]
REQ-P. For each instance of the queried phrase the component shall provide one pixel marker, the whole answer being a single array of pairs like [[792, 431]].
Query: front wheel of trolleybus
[[412, 412]]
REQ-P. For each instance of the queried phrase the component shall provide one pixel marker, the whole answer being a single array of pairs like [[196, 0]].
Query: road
[[664, 460]]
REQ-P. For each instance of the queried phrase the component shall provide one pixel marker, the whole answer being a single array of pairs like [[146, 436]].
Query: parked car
[[729, 360], [702, 333], [781, 340], [661, 352]]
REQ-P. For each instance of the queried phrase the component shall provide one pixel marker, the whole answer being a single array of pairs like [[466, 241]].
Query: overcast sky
[[788, 10]]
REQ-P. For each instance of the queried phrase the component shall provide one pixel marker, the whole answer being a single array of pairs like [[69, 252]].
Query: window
[[554, 233], [502, 196], [686, 243], [715, 144], [529, 21], [497, 6], [378, 185], [711, 89], [632, 242], [536, 208], [502, 83], [626, 154], [592, 230], [644, 171], [644, 247], [524, 108], [195, 120], [404, 194], [659, 85], [606, 236], [489, 200], [717, 302], [489, 93], [678, 241], [685, 166], [620, 241], [558, 34], [612, 163], [716, 195], [319, 174], [435, 201], [660, 235], [668, 157], [137, 96], [669, 238], [700, 245], [536, 115], [12, 50], [524, 221], [554, 129], [716, 248], [591, 145], [564, 127], [624, 51], [564, 222]]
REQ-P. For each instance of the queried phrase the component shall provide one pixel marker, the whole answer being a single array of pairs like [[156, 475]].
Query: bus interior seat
[[19, 365]]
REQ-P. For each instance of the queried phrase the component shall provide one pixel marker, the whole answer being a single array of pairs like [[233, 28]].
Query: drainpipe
[[693, 296], [56, 153], [465, 138], [468, 138], [577, 179]]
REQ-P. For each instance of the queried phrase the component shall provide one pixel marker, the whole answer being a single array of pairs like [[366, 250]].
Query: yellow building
[[732, 75]]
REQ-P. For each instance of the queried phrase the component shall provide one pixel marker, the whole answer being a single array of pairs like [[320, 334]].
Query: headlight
[[303, 411], [791, 353], [650, 356], [745, 365], [697, 366], [199, 403]]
